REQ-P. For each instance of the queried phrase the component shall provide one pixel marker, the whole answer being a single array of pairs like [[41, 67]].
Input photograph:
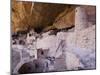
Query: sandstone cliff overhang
[[35, 15], [43, 16]]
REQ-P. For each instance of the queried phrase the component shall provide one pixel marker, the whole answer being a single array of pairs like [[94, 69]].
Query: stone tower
[[80, 18]]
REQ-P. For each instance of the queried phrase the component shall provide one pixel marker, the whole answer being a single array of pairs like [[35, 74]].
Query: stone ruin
[[72, 50]]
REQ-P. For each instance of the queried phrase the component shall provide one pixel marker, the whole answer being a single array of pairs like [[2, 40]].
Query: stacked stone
[[81, 21]]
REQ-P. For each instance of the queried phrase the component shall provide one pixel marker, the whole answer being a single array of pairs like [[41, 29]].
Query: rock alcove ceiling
[[39, 16], [44, 16]]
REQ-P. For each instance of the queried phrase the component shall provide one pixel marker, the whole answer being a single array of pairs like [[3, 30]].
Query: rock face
[[37, 15], [65, 19], [55, 40], [44, 16]]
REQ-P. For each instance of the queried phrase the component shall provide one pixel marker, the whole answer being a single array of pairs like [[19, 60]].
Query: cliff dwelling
[[51, 37]]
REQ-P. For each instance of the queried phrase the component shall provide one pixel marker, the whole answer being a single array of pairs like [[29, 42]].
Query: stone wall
[[68, 44]]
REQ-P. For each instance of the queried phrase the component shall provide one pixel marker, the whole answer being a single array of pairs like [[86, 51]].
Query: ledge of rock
[[26, 15], [44, 16]]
